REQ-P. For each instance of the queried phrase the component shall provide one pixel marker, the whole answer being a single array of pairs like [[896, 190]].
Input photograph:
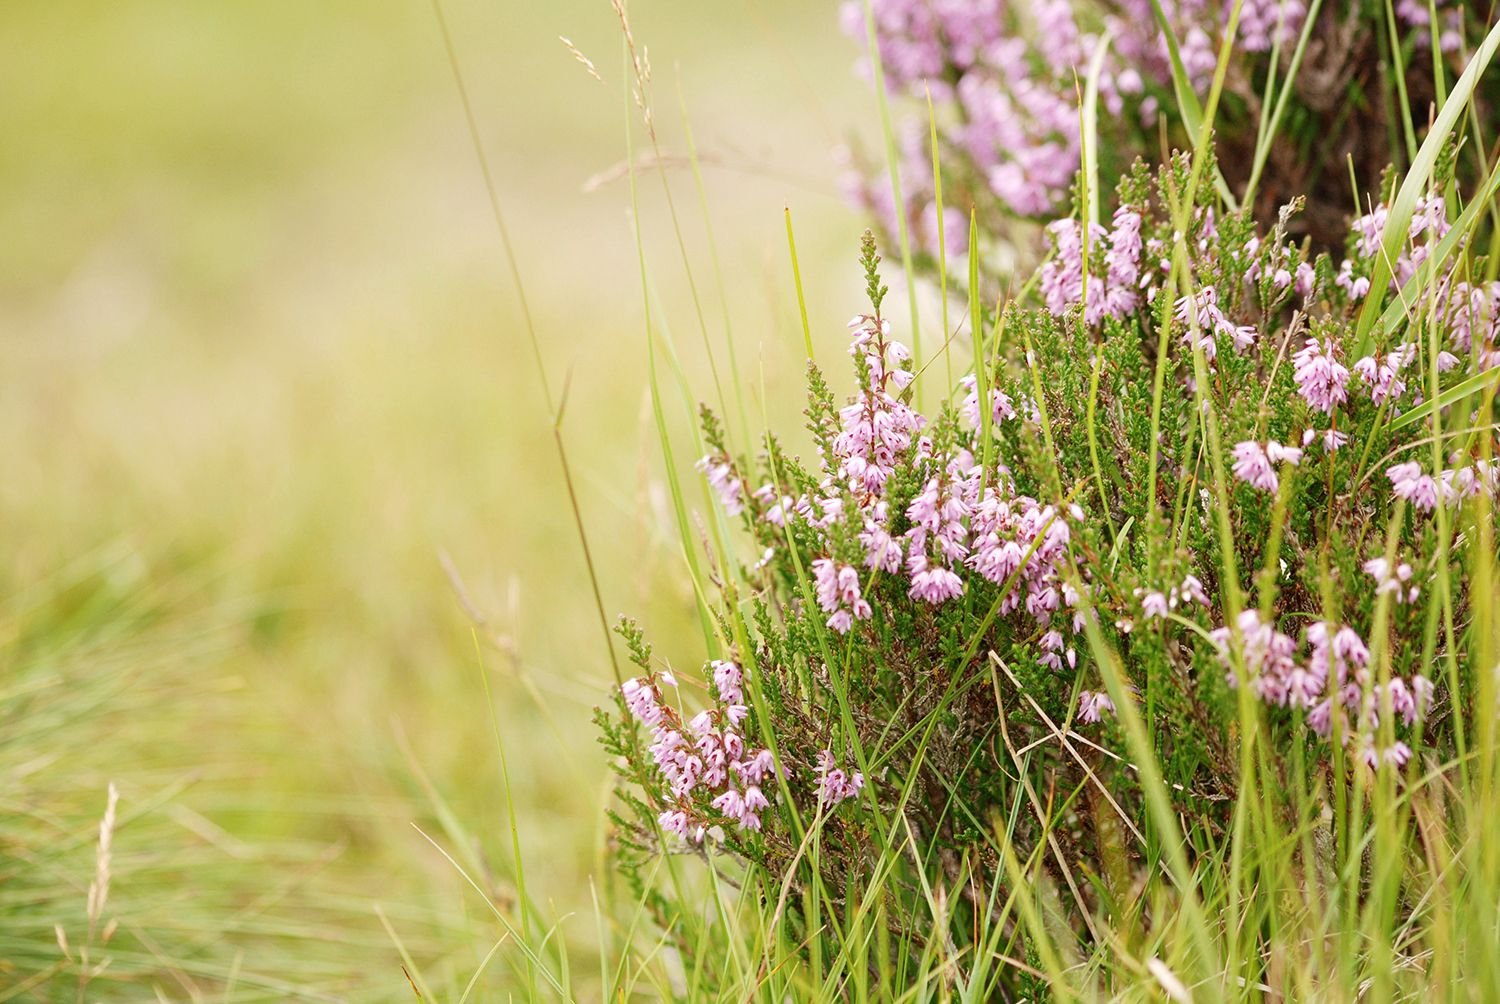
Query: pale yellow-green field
[[262, 363]]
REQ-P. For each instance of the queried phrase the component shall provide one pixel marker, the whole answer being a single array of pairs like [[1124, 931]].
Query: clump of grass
[[120, 879]]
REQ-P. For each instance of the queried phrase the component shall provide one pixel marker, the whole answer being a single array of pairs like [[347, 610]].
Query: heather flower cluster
[[708, 774], [1385, 377], [1281, 309], [1468, 312], [1067, 277], [1005, 80], [1256, 464], [1156, 603], [1449, 487], [1331, 683], [839, 594], [954, 527], [1393, 577], [904, 501], [1322, 380], [834, 784], [721, 478]]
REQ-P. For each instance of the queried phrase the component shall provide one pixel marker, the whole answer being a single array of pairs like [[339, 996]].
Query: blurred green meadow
[[279, 485]]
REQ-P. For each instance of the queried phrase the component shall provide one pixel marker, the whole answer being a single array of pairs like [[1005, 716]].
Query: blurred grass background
[[262, 364]]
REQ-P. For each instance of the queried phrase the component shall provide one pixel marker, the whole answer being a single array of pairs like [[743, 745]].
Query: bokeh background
[[264, 366]]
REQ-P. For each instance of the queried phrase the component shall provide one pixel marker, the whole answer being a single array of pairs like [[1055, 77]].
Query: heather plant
[[1159, 650], [998, 94]]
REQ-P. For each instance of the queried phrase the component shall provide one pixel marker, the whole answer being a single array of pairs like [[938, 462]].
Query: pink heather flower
[[744, 808], [1052, 646], [939, 535], [1278, 454], [697, 760], [1334, 684], [1122, 261], [1321, 379], [1355, 287], [1094, 705], [1392, 579], [995, 559], [754, 769], [882, 551], [1350, 647], [1320, 718], [1487, 476], [734, 805], [777, 509], [1202, 310], [1368, 230], [935, 585], [721, 479], [1064, 281], [674, 821], [826, 583], [755, 800], [1306, 276], [1403, 700], [1472, 314], [1331, 439], [1429, 222], [1253, 466], [821, 512], [834, 785], [1458, 484], [1421, 689], [878, 427], [1002, 407], [1268, 656], [1156, 604], [1004, 80], [1265, 23], [1382, 376], [728, 681], [1408, 482], [1429, 217], [641, 700], [1061, 277], [1396, 755], [838, 593]]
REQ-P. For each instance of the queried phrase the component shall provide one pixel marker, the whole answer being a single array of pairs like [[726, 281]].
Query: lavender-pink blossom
[[1093, 705], [1321, 379], [834, 785], [1408, 481]]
